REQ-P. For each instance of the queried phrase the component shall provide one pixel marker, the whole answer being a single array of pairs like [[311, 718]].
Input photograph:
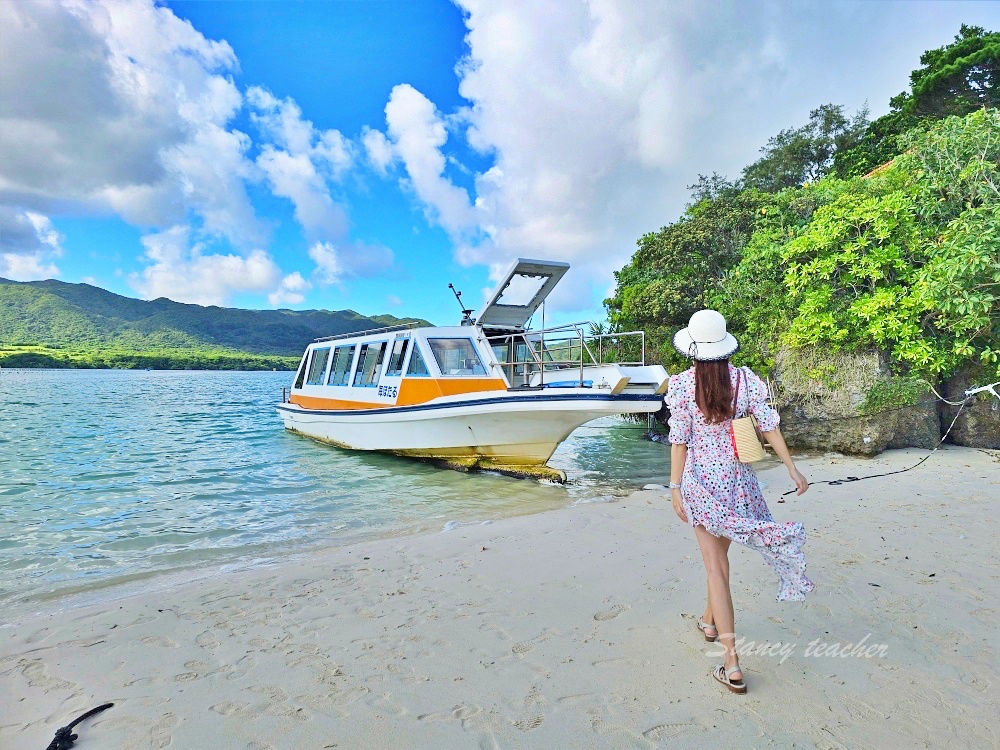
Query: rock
[[978, 426], [851, 403]]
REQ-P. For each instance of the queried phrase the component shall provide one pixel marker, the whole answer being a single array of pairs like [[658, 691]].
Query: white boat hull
[[492, 432]]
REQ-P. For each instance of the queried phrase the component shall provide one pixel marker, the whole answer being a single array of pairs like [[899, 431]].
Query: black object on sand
[[64, 735]]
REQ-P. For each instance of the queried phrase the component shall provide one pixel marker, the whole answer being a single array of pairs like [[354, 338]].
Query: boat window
[[340, 371], [369, 360], [457, 357], [300, 378], [318, 366], [522, 288], [417, 365], [399, 348]]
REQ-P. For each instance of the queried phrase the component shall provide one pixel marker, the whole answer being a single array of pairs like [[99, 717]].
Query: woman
[[713, 491]]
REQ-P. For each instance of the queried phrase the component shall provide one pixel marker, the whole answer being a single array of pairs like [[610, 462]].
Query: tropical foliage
[[904, 260]]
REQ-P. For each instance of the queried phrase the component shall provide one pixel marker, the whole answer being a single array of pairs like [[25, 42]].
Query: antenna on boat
[[467, 319]]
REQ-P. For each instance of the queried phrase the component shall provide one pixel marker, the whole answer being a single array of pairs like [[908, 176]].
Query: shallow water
[[107, 475]]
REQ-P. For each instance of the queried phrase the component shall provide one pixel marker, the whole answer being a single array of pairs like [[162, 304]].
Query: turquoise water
[[109, 475]]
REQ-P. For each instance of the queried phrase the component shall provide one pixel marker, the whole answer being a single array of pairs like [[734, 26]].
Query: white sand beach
[[573, 628]]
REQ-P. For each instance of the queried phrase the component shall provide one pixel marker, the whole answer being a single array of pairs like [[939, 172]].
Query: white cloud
[[328, 266], [26, 267], [586, 107], [140, 124], [378, 148], [281, 120], [182, 272], [294, 176], [596, 114], [28, 244], [291, 291], [417, 132], [300, 164]]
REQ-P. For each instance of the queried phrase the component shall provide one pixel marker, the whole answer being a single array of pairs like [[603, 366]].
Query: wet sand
[[573, 628]]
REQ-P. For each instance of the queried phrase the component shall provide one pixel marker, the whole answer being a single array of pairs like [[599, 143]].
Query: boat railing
[[559, 350], [370, 331]]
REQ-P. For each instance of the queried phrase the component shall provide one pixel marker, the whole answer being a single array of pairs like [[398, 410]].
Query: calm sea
[[115, 475]]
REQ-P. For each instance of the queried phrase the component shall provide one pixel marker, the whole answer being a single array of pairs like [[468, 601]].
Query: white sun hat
[[706, 338]]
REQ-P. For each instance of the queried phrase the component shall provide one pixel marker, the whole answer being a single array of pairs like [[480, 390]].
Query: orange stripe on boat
[[412, 391], [315, 402]]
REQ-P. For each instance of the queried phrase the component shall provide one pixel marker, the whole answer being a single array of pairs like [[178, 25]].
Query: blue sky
[[365, 154]]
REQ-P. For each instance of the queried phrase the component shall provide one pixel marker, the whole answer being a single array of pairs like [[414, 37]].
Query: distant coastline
[[44, 357], [52, 324]]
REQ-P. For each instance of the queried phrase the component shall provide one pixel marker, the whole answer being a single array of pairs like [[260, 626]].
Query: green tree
[[955, 79], [908, 262], [797, 156], [674, 270]]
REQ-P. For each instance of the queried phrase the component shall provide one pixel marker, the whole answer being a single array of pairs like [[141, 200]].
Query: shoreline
[[274, 554], [573, 625]]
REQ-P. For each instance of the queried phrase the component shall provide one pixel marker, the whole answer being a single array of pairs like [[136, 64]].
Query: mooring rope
[[960, 404], [64, 735]]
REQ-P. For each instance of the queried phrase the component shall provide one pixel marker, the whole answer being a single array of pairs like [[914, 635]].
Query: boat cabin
[[493, 351]]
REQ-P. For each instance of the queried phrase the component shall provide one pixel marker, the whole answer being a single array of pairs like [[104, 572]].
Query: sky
[[364, 154]]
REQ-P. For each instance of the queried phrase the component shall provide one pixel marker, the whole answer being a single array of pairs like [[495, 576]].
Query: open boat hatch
[[523, 289]]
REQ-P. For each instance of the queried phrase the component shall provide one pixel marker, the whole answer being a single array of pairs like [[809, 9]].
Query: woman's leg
[[714, 551], [708, 617]]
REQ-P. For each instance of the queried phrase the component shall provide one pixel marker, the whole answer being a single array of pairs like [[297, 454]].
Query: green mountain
[[54, 324]]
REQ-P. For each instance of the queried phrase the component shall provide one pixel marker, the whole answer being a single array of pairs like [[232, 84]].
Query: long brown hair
[[713, 391]]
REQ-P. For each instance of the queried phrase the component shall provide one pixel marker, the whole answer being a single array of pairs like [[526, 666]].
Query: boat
[[489, 394]]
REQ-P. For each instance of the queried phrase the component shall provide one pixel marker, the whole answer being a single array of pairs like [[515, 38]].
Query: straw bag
[[748, 442]]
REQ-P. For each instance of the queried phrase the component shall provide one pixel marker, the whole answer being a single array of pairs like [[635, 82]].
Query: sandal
[[721, 674], [702, 625]]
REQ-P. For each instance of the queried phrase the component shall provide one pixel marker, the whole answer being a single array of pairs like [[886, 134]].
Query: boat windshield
[[457, 357], [417, 365]]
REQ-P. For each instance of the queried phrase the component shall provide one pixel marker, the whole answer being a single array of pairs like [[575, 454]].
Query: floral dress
[[721, 493]]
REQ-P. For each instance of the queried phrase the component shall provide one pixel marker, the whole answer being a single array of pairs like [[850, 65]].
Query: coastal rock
[[851, 403], [978, 426]]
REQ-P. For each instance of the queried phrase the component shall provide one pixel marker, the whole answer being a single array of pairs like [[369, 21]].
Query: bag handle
[[736, 397]]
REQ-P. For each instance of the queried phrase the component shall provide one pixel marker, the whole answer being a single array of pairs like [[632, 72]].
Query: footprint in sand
[[610, 614], [620, 735], [162, 733], [574, 699], [668, 731], [240, 669], [208, 640], [460, 712], [231, 708], [157, 640], [526, 725], [37, 675], [522, 648], [535, 697]]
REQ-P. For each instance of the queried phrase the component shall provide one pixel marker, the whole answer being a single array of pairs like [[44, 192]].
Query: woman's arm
[[678, 457], [777, 441]]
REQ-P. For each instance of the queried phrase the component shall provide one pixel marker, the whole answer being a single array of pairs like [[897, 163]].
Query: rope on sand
[[960, 404], [64, 735]]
